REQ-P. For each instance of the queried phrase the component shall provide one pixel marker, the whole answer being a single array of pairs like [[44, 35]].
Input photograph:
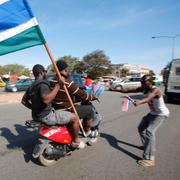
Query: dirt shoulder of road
[[8, 98]]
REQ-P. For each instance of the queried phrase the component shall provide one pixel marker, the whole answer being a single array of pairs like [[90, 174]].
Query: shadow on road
[[115, 143], [24, 139]]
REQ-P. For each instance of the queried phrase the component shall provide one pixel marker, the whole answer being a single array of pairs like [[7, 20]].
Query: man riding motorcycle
[[84, 110], [38, 98]]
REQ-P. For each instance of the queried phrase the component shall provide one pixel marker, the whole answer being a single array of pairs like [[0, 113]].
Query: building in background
[[133, 70]]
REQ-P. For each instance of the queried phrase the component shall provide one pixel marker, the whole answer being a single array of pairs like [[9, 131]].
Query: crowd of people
[[50, 104]]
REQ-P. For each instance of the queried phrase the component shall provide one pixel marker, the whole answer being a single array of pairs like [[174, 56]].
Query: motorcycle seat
[[37, 124]]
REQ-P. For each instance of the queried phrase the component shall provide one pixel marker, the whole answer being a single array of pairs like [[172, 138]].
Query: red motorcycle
[[53, 143]]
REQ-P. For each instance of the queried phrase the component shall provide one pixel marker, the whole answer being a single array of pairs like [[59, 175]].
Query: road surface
[[113, 157]]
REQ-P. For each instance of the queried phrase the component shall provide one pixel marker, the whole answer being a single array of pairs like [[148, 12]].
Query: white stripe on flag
[[14, 31], [3, 1]]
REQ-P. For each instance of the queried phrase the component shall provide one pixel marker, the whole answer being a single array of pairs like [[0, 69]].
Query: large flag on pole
[[18, 27], [19, 30]]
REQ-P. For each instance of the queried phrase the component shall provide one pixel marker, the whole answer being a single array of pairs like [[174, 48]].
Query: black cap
[[147, 78], [61, 65], [37, 69]]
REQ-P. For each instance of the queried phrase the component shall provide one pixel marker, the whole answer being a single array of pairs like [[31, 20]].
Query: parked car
[[77, 79], [20, 85], [2, 83], [107, 80], [126, 83]]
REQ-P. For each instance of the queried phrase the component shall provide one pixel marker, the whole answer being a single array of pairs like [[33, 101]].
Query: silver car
[[126, 83]]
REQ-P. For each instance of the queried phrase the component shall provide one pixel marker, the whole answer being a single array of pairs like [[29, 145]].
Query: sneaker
[[88, 133], [94, 133], [146, 163], [93, 137], [78, 145], [92, 140]]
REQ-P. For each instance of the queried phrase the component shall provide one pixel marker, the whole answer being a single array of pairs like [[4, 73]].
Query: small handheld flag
[[126, 102], [132, 100], [98, 90]]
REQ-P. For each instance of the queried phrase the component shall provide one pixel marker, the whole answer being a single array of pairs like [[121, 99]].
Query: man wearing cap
[[61, 101], [38, 98], [152, 121]]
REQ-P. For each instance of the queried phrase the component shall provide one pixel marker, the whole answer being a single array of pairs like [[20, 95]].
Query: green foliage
[[151, 72], [71, 61], [124, 72], [14, 69], [97, 63], [2, 70], [79, 67]]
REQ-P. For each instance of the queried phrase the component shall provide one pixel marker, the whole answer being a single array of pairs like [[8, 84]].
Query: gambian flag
[[18, 27], [126, 103]]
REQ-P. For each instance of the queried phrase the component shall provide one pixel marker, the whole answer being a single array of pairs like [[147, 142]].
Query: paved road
[[112, 158], [2, 90]]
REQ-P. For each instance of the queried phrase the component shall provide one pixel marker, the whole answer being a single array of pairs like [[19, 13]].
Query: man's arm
[[155, 93], [26, 102], [79, 93], [48, 95]]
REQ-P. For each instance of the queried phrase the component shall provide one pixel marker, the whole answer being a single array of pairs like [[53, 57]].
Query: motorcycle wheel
[[44, 159]]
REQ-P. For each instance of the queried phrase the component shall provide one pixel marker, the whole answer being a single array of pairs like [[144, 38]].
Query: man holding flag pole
[[19, 29]]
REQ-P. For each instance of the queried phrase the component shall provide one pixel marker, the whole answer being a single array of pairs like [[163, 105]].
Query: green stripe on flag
[[30, 37]]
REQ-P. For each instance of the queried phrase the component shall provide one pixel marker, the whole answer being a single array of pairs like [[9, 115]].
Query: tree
[[2, 71], [124, 72], [79, 67], [97, 63], [151, 72], [14, 69], [71, 61]]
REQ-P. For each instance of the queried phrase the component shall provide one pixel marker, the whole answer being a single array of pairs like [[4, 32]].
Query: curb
[[8, 102], [9, 98]]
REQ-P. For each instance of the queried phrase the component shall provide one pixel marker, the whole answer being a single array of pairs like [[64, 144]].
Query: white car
[[126, 83]]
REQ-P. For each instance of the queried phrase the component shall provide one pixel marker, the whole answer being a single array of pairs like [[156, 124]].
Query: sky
[[123, 29]]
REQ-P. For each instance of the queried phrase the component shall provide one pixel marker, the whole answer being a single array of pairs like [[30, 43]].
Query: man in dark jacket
[[38, 98]]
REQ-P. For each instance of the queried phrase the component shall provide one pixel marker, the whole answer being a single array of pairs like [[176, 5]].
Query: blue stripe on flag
[[14, 13]]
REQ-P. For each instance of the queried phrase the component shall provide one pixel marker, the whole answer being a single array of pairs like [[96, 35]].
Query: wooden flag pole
[[65, 88]]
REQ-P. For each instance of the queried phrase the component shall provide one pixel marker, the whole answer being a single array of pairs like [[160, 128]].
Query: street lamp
[[173, 41]]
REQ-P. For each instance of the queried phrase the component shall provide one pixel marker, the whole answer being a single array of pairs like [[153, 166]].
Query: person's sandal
[[79, 145], [146, 163]]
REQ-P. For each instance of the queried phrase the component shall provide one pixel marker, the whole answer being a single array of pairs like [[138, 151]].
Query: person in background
[[88, 84], [152, 121], [88, 81], [39, 99]]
